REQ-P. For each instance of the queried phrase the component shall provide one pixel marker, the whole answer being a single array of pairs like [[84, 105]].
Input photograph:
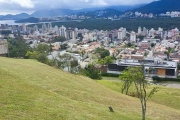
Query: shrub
[[158, 79], [91, 72], [110, 75], [133, 94], [42, 58]]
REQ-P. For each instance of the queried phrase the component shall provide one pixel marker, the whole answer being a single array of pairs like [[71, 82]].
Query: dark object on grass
[[111, 109]]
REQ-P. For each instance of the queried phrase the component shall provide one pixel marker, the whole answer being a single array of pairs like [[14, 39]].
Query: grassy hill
[[32, 90], [165, 96]]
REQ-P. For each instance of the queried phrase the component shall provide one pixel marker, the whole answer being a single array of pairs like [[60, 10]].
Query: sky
[[29, 6]]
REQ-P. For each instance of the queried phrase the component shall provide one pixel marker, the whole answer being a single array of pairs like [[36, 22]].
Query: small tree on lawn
[[126, 77], [67, 61], [136, 75]]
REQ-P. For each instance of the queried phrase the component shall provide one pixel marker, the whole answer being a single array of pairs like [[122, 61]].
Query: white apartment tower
[[145, 31], [24, 28], [170, 34], [56, 29], [121, 33], [160, 31], [133, 36], [139, 30], [35, 28], [62, 31], [71, 33], [176, 29], [49, 26], [44, 27], [152, 32]]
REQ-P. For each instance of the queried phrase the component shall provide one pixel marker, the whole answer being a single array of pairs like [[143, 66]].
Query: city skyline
[[29, 6]]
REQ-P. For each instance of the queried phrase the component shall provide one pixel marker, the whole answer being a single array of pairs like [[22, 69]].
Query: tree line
[[129, 24]]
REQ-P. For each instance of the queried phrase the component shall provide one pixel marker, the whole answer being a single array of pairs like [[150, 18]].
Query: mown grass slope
[[32, 90], [165, 96]]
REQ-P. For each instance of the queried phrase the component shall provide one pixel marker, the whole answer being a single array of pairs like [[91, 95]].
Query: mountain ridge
[[161, 6], [109, 12], [156, 7], [60, 12], [15, 17]]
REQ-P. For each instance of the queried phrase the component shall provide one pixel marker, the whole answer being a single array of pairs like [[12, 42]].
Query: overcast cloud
[[28, 6]]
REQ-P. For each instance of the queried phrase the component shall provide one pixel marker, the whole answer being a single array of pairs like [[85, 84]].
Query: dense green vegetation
[[109, 75], [131, 24], [158, 79], [64, 46], [30, 20], [102, 52], [91, 72], [40, 53], [67, 61], [105, 61], [58, 39], [17, 47]]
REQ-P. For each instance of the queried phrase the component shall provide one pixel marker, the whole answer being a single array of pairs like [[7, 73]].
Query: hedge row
[[109, 75], [156, 78]]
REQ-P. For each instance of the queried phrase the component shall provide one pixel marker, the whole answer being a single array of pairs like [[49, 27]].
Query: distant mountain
[[126, 7], [161, 6], [14, 17], [118, 7], [61, 12], [101, 13], [28, 20], [22, 16]]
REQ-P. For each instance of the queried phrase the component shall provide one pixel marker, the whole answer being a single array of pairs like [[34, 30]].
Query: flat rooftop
[[153, 63]]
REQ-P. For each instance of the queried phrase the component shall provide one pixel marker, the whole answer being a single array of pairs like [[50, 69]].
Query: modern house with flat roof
[[164, 69]]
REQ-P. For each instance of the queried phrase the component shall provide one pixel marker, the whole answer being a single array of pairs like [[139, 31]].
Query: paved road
[[173, 85], [170, 84]]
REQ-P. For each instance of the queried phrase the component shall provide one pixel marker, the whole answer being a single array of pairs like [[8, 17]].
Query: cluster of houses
[[158, 50]]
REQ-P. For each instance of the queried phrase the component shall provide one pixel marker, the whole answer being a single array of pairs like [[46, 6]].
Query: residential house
[[151, 67]]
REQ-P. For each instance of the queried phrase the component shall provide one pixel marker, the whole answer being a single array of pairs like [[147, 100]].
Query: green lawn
[[32, 90], [166, 96]]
